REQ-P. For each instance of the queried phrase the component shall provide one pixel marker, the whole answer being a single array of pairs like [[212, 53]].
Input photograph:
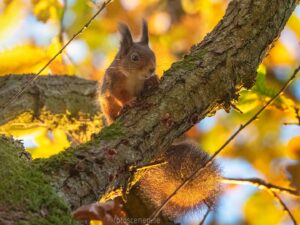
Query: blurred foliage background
[[32, 31]]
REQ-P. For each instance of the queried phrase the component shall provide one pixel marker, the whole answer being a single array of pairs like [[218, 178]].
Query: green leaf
[[260, 86]]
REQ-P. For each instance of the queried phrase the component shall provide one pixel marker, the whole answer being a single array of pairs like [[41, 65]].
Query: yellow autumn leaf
[[294, 24], [11, 17], [261, 207], [46, 9], [57, 66], [22, 59], [192, 6], [49, 143], [293, 147], [19, 133], [248, 101], [286, 104], [280, 55], [165, 61]]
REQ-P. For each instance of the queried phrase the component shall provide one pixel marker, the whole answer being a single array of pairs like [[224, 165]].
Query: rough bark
[[53, 101], [205, 80]]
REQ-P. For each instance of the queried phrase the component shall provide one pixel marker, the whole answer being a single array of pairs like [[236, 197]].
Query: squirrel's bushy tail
[[160, 182]]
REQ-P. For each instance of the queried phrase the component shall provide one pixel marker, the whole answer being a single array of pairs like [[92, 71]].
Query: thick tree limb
[[205, 80], [57, 94], [231, 138], [66, 102], [13, 98]]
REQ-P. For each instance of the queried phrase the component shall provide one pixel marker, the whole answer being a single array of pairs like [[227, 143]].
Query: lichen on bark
[[208, 78]]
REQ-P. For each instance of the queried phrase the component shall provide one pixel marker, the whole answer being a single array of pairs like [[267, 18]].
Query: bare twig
[[297, 112], [210, 160], [205, 216], [289, 124], [271, 188], [236, 108], [284, 206], [27, 84], [261, 184]]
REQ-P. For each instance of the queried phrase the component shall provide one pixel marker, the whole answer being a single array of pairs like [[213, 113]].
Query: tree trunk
[[205, 80]]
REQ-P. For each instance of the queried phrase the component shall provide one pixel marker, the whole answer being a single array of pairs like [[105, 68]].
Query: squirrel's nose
[[151, 70]]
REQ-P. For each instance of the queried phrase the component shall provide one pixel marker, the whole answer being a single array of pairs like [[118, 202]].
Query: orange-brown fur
[[158, 183], [125, 78], [123, 82]]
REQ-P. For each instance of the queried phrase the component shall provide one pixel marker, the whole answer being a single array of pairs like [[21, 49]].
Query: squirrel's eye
[[135, 57]]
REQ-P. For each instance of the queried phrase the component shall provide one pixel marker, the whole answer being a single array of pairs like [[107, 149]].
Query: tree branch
[[35, 76], [261, 184], [205, 216], [271, 188], [204, 81], [284, 206], [65, 102], [210, 160]]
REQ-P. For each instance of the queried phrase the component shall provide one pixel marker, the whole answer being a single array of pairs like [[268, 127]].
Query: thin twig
[[210, 160], [28, 83], [297, 112], [271, 188], [205, 216], [261, 184], [236, 108], [289, 124], [284, 206]]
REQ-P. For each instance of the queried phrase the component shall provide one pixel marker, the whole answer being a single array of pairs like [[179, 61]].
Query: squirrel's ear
[[145, 36], [126, 39]]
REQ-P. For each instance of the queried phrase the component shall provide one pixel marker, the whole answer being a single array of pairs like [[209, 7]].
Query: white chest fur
[[135, 84]]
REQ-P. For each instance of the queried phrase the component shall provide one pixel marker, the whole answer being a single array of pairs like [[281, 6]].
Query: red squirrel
[[124, 80], [126, 77]]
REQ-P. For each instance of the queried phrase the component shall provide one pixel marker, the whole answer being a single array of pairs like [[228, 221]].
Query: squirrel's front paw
[[128, 105]]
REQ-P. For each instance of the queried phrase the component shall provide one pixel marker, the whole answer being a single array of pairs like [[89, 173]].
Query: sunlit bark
[[207, 79]]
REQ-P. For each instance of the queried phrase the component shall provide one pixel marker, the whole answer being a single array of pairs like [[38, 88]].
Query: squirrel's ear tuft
[[126, 38], [145, 36]]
